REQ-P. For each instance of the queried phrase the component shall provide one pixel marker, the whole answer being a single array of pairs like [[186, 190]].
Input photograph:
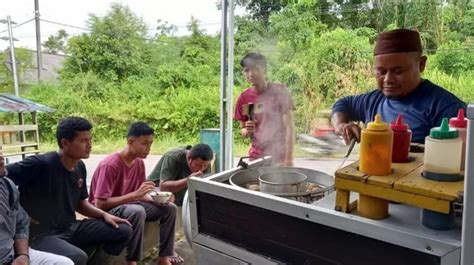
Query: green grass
[[159, 147]]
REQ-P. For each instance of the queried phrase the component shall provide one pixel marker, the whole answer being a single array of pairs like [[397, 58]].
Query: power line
[[63, 24], [185, 25], [19, 25], [148, 27]]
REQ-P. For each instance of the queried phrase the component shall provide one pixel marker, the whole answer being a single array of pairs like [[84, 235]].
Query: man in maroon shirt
[[265, 112], [120, 187]]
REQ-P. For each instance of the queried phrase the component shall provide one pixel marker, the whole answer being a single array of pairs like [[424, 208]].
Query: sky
[[76, 13]]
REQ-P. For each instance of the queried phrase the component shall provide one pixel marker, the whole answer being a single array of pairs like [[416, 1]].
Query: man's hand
[[114, 220], [2, 164], [145, 188], [147, 198], [196, 174], [21, 260], [170, 199], [250, 127], [348, 131]]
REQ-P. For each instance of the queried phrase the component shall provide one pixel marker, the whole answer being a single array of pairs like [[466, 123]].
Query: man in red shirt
[[265, 112], [120, 187]]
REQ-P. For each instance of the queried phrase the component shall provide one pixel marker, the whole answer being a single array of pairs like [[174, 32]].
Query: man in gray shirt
[[14, 224]]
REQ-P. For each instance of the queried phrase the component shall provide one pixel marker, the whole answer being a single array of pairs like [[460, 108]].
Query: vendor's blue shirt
[[422, 109]]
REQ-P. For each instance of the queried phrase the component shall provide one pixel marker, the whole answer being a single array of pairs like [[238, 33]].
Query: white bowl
[[161, 196]]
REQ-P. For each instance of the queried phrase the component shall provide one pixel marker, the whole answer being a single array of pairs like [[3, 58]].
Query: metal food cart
[[227, 224]]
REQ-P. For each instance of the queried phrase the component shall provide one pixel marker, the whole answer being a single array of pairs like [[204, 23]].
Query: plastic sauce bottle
[[460, 123], [401, 140], [443, 147], [376, 148]]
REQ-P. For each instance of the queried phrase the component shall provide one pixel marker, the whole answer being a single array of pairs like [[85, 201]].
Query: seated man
[[119, 186], [53, 187], [398, 62], [175, 166], [14, 229]]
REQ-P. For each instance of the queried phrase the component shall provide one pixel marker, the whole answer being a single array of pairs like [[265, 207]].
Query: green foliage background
[[322, 50]]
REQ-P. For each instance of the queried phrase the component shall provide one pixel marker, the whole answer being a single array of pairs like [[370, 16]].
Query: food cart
[[231, 224]]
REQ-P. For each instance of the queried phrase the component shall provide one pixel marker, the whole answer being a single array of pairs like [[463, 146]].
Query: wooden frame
[[22, 145]]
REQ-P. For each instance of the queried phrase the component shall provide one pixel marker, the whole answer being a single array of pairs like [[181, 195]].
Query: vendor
[[398, 63]]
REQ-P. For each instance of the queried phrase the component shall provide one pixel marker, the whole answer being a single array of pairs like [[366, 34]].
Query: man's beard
[[394, 97]]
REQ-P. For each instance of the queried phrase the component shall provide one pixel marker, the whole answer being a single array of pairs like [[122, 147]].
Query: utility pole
[[227, 85], [39, 59], [12, 53]]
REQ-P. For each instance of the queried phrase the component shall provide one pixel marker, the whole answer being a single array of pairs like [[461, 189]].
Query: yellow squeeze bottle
[[376, 145]]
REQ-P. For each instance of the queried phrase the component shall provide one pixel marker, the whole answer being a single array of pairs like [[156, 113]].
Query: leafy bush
[[454, 58], [461, 85]]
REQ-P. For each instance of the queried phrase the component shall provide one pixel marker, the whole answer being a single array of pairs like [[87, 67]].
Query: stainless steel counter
[[401, 233]]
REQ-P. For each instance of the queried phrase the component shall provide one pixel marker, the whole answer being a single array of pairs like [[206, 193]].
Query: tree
[[262, 9], [165, 29], [297, 25], [56, 43], [114, 48], [23, 59]]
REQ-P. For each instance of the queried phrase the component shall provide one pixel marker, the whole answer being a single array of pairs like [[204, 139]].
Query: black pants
[[82, 238]]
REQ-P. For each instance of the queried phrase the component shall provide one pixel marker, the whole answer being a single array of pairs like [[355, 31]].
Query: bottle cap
[[399, 125], [377, 124], [460, 121], [444, 132]]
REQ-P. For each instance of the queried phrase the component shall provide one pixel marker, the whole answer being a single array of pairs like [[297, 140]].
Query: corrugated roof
[[11, 103]]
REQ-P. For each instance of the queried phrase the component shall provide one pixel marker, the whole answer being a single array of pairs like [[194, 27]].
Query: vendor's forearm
[[338, 119], [174, 185]]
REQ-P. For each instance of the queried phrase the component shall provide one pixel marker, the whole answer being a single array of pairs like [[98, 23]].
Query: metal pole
[[12, 55], [223, 105], [230, 87], [39, 59], [467, 246]]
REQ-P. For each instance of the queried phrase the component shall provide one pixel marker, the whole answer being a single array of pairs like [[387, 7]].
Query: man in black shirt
[[53, 187]]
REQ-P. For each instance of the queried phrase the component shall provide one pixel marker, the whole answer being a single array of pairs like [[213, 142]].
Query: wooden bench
[[151, 240], [19, 140], [405, 185]]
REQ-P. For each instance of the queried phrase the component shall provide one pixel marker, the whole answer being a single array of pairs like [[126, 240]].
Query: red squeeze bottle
[[401, 140], [460, 123]]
